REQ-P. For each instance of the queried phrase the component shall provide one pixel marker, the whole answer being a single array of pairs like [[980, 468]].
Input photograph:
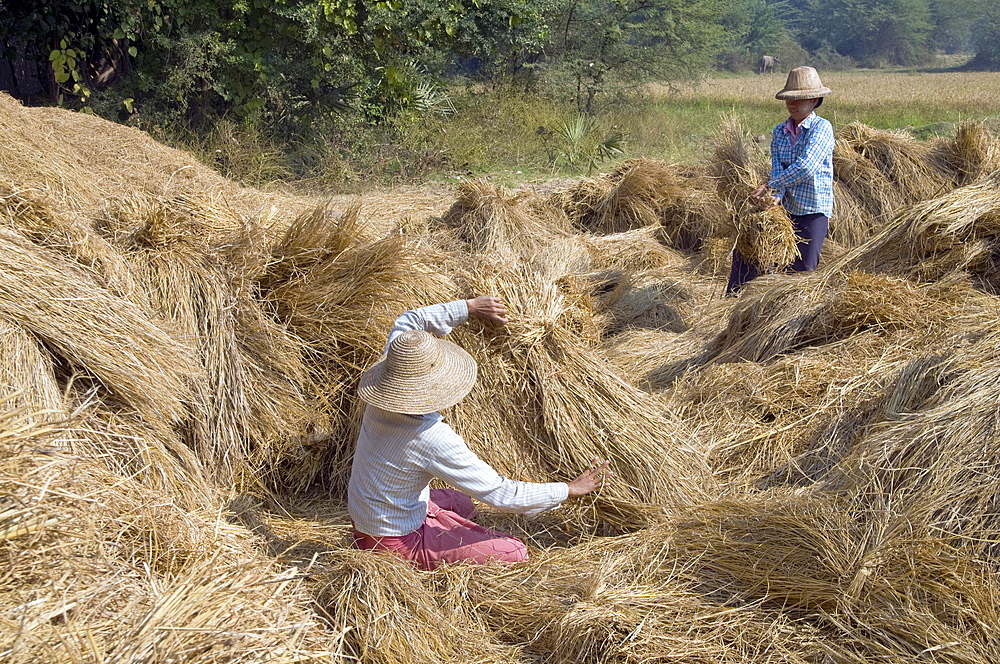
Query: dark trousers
[[811, 228]]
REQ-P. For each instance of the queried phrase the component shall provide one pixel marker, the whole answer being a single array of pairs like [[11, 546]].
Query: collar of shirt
[[796, 129]]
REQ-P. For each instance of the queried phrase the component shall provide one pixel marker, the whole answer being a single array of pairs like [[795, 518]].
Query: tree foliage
[[987, 39], [872, 32], [597, 45]]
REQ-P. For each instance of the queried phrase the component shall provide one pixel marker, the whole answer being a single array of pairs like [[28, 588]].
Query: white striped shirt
[[398, 455]]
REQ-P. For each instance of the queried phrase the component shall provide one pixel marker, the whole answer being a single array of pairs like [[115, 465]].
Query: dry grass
[[642, 193], [970, 93], [805, 474], [764, 237]]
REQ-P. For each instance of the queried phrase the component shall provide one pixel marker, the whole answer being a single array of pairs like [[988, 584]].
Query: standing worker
[[801, 173], [404, 444]]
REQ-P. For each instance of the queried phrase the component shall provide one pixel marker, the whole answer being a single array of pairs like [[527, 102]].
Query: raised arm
[[441, 319]]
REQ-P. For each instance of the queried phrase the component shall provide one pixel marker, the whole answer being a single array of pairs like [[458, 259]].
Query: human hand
[[489, 307], [761, 196], [591, 479], [758, 194]]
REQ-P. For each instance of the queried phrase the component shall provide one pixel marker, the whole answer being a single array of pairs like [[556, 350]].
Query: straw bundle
[[941, 453], [852, 222], [547, 404], [644, 192], [870, 188], [494, 220], [767, 238], [883, 587], [27, 375], [620, 600], [254, 401], [633, 250], [793, 418], [956, 231], [101, 568], [738, 165], [95, 331], [792, 313], [389, 615], [764, 237], [338, 291], [653, 359], [33, 215], [903, 160], [972, 153]]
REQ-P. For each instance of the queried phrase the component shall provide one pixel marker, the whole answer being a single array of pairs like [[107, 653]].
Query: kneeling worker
[[404, 443]]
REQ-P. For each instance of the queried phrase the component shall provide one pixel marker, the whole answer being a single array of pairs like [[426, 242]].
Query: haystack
[[645, 192], [957, 231], [106, 161], [764, 236], [100, 567], [546, 403]]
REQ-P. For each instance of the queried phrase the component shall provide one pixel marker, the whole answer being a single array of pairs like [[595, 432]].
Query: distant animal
[[766, 64]]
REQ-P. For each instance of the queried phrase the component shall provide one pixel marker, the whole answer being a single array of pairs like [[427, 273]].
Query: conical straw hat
[[419, 374], [803, 83]]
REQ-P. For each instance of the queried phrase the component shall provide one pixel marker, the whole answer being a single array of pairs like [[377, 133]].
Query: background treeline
[[343, 67]]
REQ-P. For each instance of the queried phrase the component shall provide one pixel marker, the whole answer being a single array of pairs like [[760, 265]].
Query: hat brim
[[803, 94], [444, 386]]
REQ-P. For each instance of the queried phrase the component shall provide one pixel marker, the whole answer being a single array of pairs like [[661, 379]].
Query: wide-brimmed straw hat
[[803, 83], [419, 374]]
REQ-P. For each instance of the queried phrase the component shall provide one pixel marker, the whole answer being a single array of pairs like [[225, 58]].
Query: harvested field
[[806, 473]]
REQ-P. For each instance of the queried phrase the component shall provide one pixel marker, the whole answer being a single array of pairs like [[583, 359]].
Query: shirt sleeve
[[819, 145], [438, 319], [453, 462]]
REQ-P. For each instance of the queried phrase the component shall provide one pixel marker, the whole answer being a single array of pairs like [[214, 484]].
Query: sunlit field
[[497, 133]]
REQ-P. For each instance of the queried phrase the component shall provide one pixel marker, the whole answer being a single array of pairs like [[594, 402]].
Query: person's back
[[404, 443]]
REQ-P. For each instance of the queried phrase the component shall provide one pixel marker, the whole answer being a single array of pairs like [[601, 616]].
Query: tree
[[598, 45], [871, 31], [988, 39], [286, 59], [753, 28], [953, 22]]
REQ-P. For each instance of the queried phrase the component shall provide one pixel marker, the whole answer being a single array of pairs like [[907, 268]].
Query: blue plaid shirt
[[802, 175]]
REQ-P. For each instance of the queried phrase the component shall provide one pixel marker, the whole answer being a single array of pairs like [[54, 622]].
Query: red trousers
[[448, 535]]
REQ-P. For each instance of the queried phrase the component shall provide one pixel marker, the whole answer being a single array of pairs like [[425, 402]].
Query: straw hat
[[803, 83], [419, 374]]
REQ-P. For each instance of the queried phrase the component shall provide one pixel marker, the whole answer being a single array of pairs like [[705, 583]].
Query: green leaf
[[133, 51], [119, 33], [55, 55]]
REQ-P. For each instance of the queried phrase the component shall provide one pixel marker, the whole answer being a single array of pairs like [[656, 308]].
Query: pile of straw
[[805, 474], [765, 237], [100, 567], [645, 192], [955, 232]]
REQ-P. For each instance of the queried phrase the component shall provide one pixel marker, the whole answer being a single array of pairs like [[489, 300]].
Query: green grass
[[497, 133]]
